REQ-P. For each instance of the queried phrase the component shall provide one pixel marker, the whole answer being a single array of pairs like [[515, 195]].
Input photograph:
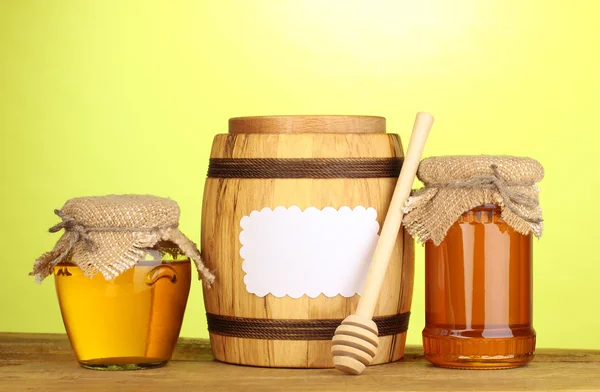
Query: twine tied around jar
[[110, 234], [510, 195], [79, 231], [456, 184]]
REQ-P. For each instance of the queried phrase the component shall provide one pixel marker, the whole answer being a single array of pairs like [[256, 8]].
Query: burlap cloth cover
[[108, 234], [456, 184]]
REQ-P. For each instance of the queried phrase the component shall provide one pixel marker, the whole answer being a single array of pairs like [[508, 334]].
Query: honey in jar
[[478, 299], [477, 216], [130, 322], [122, 275]]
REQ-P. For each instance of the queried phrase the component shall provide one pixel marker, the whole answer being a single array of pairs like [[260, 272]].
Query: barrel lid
[[307, 124]]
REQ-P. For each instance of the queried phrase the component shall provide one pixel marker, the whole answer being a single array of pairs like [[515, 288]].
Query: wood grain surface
[[33, 362], [228, 200], [307, 124]]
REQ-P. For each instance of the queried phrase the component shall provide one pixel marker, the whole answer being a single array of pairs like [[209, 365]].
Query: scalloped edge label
[[288, 251]]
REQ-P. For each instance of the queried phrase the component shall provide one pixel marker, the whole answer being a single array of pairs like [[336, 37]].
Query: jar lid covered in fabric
[[456, 184], [110, 234]]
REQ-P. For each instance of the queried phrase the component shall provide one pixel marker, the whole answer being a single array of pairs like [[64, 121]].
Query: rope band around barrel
[[304, 167], [293, 329]]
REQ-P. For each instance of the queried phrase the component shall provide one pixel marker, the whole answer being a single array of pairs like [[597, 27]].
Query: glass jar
[[479, 294], [132, 321]]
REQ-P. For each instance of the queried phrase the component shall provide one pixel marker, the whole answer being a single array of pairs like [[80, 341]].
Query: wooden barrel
[[291, 213]]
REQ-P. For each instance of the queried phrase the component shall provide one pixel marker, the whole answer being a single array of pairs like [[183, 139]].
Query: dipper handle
[[393, 219], [355, 341]]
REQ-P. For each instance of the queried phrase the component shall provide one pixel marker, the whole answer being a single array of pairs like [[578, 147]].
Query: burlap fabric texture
[[456, 184], [109, 234]]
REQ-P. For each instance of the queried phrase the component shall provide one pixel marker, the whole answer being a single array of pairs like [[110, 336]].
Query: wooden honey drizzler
[[355, 341]]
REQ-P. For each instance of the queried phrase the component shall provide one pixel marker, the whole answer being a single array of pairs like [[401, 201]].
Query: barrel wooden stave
[[226, 201]]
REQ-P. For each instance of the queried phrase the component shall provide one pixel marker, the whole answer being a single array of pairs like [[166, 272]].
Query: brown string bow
[[70, 224], [510, 195], [79, 231], [76, 231]]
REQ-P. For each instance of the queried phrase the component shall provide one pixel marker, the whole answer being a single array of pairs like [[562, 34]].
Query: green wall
[[101, 97]]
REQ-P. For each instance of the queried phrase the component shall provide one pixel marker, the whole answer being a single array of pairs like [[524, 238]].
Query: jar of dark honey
[[477, 217]]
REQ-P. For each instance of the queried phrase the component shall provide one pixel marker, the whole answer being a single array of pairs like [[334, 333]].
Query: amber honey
[[130, 322], [479, 294]]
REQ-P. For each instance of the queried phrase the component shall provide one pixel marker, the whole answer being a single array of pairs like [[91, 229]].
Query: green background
[[100, 97]]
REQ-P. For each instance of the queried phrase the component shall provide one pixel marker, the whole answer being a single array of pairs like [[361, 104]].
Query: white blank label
[[288, 251]]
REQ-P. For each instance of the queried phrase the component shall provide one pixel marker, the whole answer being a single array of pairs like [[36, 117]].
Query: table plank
[[30, 362]]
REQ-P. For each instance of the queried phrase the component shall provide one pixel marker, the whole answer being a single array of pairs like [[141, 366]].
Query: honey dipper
[[355, 341]]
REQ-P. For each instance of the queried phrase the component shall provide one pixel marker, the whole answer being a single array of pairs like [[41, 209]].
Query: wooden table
[[33, 362]]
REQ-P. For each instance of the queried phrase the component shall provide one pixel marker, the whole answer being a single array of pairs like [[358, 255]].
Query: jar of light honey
[[122, 275], [477, 216], [131, 321]]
